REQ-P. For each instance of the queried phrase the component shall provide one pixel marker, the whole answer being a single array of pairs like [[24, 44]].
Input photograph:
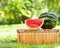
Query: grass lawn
[[8, 38]]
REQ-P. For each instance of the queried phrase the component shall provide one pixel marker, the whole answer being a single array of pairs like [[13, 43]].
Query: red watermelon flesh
[[34, 23]]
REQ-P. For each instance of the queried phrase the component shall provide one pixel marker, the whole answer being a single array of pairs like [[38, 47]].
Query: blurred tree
[[16, 11]]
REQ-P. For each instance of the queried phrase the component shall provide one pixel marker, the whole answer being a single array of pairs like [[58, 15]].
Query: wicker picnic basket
[[39, 36]]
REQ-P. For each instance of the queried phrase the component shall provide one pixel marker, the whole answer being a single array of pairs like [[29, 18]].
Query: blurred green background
[[16, 11]]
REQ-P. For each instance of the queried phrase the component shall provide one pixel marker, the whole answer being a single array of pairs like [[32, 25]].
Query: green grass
[[18, 45], [8, 38]]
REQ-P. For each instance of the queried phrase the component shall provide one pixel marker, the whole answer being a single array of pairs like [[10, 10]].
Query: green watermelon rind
[[52, 24], [49, 15], [50, 20]]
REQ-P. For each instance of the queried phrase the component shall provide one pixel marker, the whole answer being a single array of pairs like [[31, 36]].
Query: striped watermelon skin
[[34, 23], [50, 20], [49, 24], [48, 15]]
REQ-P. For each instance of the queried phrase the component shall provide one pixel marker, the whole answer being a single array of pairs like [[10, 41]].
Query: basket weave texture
[[39, 36]]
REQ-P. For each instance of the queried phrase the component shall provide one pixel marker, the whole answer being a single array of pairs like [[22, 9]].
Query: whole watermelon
[[50, 20]]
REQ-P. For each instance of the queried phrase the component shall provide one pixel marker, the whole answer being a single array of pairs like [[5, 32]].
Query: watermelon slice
[[34, 23]]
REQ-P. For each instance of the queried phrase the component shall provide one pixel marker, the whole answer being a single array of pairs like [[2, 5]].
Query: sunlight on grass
[[17, 45], [8, 32], [57, 47]]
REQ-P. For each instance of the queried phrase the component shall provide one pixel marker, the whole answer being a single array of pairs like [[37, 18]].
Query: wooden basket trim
[[37, 30]]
